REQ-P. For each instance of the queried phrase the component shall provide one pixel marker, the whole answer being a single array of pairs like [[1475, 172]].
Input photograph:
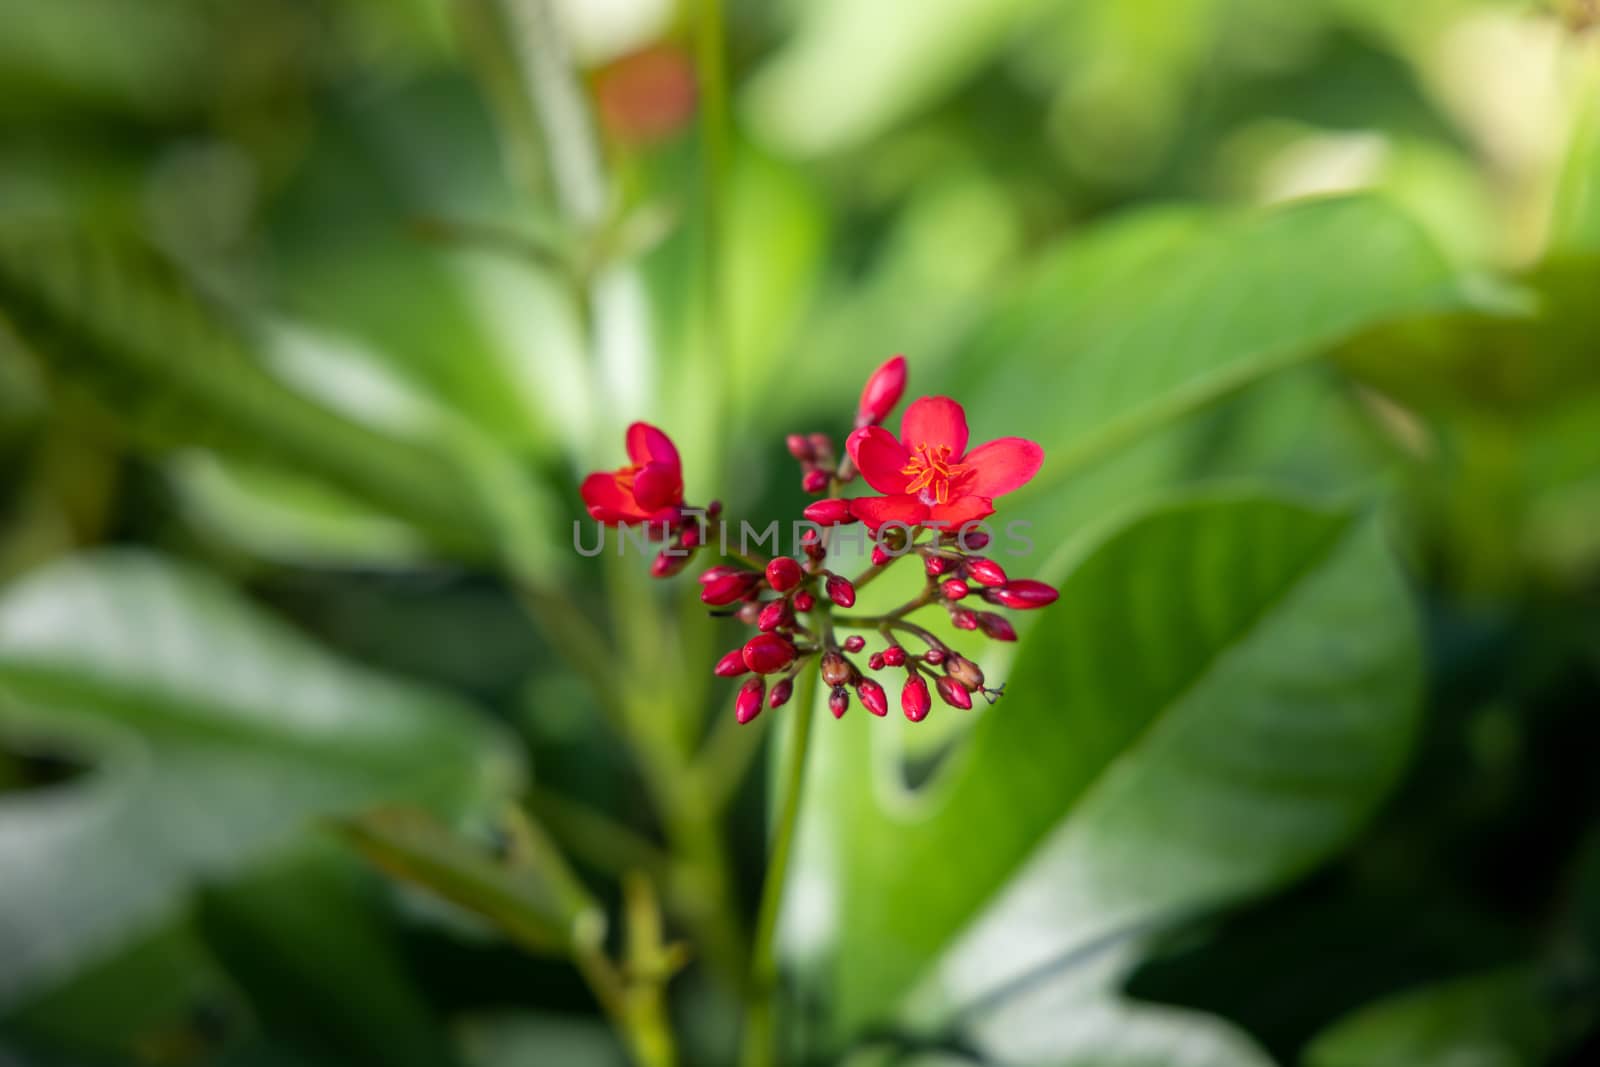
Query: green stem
[[760, 1034]]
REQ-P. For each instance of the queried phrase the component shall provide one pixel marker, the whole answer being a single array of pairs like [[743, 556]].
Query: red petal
[[608, 501], [960, 511], [935, 421], [877, 510], [657, 486], [879, 458], [646, 444], [1002, 466]]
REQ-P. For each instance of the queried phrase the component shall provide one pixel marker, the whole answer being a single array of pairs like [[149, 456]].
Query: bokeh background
[[313, 313]]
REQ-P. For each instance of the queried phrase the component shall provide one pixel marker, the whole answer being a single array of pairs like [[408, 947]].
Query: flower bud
[[814, 480], [838, 702], [872, 697], [914, 699], [691, 536], [936, 565], [986, 571], [963, 670], [783, 574], [963, 619], [830, 512], [1022, 595], [800, 448], [781, 693], [882, 392], [855, 643], [774, 613], [748, 704], [667, 563], [748, 613], [933, 657], [822, 445], [731, 665], [729, 588], [840, 591], [768, 653], [804, 601], [953, 589], [876, 661], [894, 656], [880, 556], [969, 538], [836, 670], [720, 571], [996, 626], [954, 694]]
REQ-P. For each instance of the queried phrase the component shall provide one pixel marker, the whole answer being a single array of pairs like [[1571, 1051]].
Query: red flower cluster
[[934, 493]]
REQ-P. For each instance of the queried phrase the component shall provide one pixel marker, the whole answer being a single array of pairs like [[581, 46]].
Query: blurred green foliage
[[304, 348]]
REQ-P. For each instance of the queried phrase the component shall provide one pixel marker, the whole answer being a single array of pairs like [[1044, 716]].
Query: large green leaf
[[1221, 695], [215, 733]]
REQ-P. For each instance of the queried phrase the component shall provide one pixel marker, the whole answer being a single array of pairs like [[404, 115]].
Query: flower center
[[932, 470]]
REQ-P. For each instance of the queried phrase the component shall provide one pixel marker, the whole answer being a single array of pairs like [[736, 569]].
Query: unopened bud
[[800, 448], [748, 704], [822, 445], [894, 656], [728, 588], [783, 574], [804, 601], [953, 589], [838, 702], [836, 670], [814, 480], [667, 563], [774, 613], [964, 619], [936, 565], [717, 573], [933, 657], [768, 653], [872, 697], [963, 670], [855, 643], [876, 661], [830, 512], [882, 392], [996, 626], [954, 694], [986, 571], [880, 556], [731, 665], [840, 591], [780, 693], [1022, 595], [914, 699]]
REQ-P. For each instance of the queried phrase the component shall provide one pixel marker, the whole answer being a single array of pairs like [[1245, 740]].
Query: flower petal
[[877, 510], [657, 485], [1002, 466], [646, 444], [880, 459], [607, 501], [935, 421], [959, 512]]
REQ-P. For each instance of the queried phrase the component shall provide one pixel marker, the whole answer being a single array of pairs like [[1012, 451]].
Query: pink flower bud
[[666, 563], [838, 702], [883, 391], [822, 446], [748, 704], [973, 540], [894, 656], [953, 693], [1022, 595], [933, 657], [873, 698], [962, 619], [690, 536], [774, 613], [830, 512], [800, 448], [814, 480], [840, 591], [986, 571], [804, 601], [783, 574], [768, 653], [728, 588], [880, 556], [720, 571], [780, 693], [936, 565], [996, 626], [953, 588], [731, 665], [855, 643], [876, 661], [914, 700]]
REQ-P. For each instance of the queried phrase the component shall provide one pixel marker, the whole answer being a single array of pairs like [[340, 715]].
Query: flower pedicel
[[933, 494]]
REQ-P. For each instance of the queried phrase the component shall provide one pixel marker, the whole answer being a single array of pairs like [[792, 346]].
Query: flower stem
[[759, 1032]]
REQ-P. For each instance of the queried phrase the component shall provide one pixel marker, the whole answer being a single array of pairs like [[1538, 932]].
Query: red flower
[[650, 485], [928, 476]]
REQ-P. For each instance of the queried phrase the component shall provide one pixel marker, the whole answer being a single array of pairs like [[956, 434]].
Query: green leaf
[[215, 732], [1223, 692], [1136, 326], [1489, 1020]]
